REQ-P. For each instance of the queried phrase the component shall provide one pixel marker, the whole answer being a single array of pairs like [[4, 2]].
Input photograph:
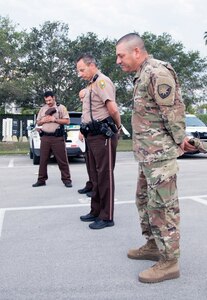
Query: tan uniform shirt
[[61, 113], [101, 90]]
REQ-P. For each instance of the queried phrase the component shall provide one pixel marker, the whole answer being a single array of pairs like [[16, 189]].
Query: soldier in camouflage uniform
[[158, 122]]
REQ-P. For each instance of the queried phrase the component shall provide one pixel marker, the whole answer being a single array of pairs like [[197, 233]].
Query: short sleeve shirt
[[99, 91], [61, 113]]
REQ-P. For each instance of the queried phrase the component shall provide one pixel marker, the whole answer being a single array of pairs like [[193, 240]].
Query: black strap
[[58, 104], [90, 96]]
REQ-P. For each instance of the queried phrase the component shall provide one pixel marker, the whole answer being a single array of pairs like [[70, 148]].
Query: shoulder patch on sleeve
[[165, 90], [102, 84]]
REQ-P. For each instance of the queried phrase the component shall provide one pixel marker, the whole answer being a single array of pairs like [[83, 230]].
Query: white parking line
[[2, 213], [199, 199], [84, 200], [11, 163], [84, 203]]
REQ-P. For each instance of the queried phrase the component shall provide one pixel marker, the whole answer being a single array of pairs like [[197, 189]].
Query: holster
[[107, 127], [109, 120], [84, 129]]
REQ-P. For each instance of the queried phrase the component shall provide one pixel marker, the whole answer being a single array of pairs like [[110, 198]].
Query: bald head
[[130, 52]]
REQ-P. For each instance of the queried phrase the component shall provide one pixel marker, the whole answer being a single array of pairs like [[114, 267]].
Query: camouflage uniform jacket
[[158, 117]]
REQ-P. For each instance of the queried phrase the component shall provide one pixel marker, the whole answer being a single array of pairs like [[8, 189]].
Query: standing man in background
[[52, 117], [158, 122], [100, 125]]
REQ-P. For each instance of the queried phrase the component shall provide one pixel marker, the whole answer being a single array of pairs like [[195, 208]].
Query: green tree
[[12, 86], [46, 65], [45, 58], [189, 66]]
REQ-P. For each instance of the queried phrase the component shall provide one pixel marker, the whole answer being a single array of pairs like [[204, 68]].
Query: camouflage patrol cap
[[199, 145]]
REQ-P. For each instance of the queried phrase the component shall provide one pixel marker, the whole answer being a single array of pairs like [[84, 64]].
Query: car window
[[75, 120], [192, 121]]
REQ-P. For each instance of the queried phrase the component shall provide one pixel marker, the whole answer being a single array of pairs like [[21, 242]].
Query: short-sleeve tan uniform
[[101, 150], [51, 143]]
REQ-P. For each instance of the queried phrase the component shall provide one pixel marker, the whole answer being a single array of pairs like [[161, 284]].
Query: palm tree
[[205, 37]]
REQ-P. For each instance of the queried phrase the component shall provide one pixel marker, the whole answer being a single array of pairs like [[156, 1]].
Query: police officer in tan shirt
[[100, 125], [52, 117]]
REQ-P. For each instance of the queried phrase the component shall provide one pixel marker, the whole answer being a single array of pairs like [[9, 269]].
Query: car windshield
[[192, 121], [75, 120]]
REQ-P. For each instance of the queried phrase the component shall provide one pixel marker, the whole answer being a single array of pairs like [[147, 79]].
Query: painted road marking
[[198, 199], [11, 163], [2, 213], [87, 200]]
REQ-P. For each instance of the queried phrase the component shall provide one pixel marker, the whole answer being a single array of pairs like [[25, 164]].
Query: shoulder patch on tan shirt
[[102, 84]]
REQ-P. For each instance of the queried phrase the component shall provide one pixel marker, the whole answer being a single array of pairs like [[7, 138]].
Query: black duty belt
[[58, 132], [48, 133], [105, 127]]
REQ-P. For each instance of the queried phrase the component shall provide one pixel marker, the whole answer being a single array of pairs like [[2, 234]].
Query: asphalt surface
[[46, 252]]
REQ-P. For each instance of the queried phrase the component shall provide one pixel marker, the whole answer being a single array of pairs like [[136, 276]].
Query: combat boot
[[162, 270], [147, 252]]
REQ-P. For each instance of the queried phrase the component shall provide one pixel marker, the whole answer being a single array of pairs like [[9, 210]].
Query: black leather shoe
[[89, 194], [38, 183], [99, 224], [88, 218], [68, 184], [84, 190]]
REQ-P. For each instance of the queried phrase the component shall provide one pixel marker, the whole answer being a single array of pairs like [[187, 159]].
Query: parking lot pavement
[[48, 253]]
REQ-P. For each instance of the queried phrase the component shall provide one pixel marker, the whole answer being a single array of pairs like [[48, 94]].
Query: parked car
[[72, 131], [196, 128]]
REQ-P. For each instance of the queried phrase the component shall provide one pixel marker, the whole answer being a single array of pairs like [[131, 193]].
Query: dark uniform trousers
[[102, 156], [55, 145], [89, 184]]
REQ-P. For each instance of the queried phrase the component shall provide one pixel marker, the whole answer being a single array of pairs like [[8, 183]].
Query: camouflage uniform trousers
[[158, 206]]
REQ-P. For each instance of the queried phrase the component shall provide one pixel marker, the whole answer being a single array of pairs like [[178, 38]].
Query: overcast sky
[[184, 20]]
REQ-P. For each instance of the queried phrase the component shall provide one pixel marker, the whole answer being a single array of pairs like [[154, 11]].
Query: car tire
[[30, 154], [36, 159]]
